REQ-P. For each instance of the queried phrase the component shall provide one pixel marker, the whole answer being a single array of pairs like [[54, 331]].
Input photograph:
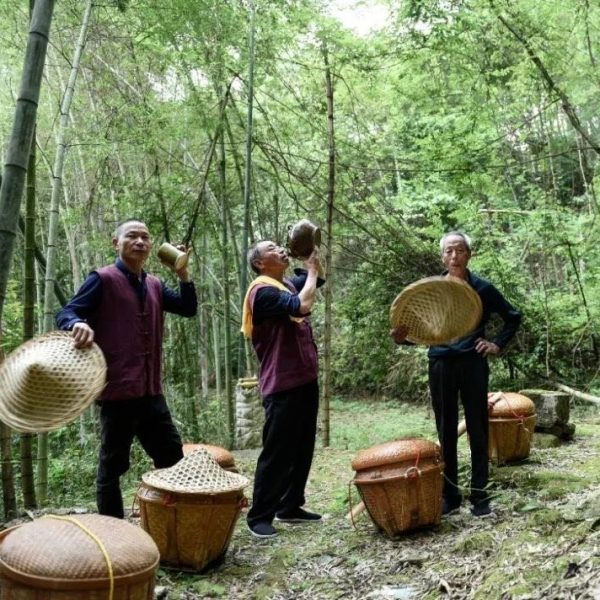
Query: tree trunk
[[244, 355], [21, 138], [329, 251], [229, 401], [26, 439], [57, 173]]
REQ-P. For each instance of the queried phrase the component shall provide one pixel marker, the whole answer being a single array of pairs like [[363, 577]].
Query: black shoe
[[262, 529], [298, 515], [450, 505], [481, 509]]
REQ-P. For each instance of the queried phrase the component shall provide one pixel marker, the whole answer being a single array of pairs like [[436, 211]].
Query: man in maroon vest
[[121, 308], [276, 318]]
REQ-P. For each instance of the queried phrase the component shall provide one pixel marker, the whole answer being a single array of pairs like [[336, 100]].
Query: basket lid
[[47, 382], [512, 405], [409, 449], [68, 552], [196, 473], [436, 310], [221, 455]]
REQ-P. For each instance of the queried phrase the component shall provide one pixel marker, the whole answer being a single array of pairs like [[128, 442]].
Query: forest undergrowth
[[541, 542]]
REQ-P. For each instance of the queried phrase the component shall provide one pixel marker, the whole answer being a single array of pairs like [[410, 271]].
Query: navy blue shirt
[[271, 302], [492, 302], [88, 298]]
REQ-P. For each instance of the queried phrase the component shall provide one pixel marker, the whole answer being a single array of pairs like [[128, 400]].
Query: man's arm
[[511, 318], [72, 316], [184, 302], [308, 293]]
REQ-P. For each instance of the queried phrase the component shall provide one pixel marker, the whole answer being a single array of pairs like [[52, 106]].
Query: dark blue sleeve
[[271, 302], [82, 304], [299, 279], [184, 303], [508, 313]]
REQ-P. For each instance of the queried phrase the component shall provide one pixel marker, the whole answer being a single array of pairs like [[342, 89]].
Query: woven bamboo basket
[[400, 483], [512, 422], [225, 458], [72, 558], [436, 310], [46, 382], [190, 510]]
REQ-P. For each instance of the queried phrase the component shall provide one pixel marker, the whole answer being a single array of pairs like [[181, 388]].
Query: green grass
[[547, 517]]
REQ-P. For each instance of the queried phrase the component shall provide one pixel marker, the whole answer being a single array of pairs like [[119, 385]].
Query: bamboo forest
[[396, 129]]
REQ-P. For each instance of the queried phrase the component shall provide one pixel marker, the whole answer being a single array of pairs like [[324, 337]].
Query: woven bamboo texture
[[404, 494], [47, 382], [192, 531], [510, 439], [52, 559], [224, 458], [196, 473], [302, 239], [512, 423], [436, 310]]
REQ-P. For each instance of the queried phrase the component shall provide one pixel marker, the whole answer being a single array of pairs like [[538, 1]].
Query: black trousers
[[148, 419], [288, 445], [466, 376]]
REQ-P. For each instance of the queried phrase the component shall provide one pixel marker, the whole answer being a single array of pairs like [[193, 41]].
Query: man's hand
[[83, 335], [183, 273], [399, 334], [486, 347], [313, 263]]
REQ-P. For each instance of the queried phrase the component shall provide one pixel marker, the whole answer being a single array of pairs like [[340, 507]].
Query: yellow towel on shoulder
[[247, 310]]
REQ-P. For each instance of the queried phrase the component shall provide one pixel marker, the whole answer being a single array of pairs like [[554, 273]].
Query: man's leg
[[304, 402], [157, 433], [274, 464], [443, 386], [474, 388], [116, 437]]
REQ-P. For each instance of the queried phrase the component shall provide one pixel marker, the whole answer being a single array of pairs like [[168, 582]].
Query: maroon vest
[[286, 351], [130, 335]]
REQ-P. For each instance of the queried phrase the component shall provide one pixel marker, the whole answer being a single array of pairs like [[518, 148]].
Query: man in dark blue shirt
[[120, 307], [462, 368]]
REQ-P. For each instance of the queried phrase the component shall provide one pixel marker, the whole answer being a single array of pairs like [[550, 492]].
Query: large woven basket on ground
[[47, 382], [190, 510], [400, 483], [77, 558], [512, 422], [224, 458], [436, 310]]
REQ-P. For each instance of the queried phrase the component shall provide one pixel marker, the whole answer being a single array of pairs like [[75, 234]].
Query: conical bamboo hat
[[47, 382]]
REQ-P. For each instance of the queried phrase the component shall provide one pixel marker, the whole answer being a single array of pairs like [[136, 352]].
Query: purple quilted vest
[[286, 351], [130, 336]]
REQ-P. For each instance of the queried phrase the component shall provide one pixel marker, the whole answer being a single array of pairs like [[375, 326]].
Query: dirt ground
[[541, 542]]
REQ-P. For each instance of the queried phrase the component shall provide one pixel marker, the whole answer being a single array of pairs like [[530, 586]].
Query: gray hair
[[119, 229], [460, 234], [253, 255]]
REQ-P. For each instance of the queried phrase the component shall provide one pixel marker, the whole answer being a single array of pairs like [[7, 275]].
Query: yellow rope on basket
[[98, 541]]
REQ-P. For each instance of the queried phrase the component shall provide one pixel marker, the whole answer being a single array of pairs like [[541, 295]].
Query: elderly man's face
[[455, 255], [272, 257], [134, 243]]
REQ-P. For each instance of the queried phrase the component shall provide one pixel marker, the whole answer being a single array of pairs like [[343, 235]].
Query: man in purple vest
[[276, 311], [121, 308]]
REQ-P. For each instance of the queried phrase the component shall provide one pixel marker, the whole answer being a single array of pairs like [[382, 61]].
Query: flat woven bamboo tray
[[47, 382], [436, 310]]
